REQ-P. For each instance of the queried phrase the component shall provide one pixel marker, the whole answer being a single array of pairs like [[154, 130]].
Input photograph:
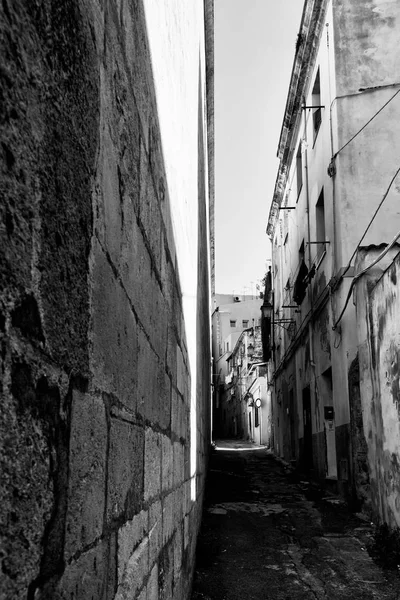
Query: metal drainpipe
[[309, 239], [333, 177]]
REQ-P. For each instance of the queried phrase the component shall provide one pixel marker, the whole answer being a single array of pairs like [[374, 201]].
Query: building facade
[[378, 323], [338, 147], [230, 317], [105, 302], [245, 401]]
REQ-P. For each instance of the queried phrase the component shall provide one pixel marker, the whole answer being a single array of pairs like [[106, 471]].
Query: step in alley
[[270, 535]]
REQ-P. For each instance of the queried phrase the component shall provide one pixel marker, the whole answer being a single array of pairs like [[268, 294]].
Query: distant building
[[245, 400], [232, 314], [339, 149]]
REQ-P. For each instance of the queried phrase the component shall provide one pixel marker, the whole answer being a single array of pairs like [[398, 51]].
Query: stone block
[[178, 552], [115, 347], [139, 64], [169, 283], [154, 317], [167, 517], [149, 210], [186, 531], [127, 141], [125, 469], [186, 424], [155, 531], [167, 463], [152, 585], [176, 413], [171, 358], [148, 365], [87, 577], [152, 464], [166, 573], [153, 386], [179, 505], [109, 225], [186, 459], [180, 419], [135, 572], [179, 463], [143, 594], [129, 537], [188, 496], [87, 468], [181, 372], [27, 499], [179, 588], [136, 265]]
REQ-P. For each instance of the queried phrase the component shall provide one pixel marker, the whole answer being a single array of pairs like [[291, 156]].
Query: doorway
[[292, 425], [307, 425], [329, 425]]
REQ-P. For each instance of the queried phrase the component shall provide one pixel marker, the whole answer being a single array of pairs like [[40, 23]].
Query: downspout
[[309, 237], [332, 165], [311, 295]]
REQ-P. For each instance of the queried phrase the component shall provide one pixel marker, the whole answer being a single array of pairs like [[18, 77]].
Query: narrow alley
[[267, 535]]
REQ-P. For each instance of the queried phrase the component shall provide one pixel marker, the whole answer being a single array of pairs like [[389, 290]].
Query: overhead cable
[[366, 124], [357, 277], [371, 221]]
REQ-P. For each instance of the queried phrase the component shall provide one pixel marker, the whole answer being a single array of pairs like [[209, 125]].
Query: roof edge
[[306, 49]]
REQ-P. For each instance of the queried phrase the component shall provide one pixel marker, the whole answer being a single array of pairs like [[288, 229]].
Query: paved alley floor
[[266, 536]]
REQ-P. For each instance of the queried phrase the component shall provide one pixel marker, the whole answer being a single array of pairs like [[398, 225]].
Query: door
[[329, 422], [292, 425], [307, 425]]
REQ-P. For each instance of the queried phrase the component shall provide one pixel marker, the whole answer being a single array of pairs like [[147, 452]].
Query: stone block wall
[[99, 496], [378, 310]]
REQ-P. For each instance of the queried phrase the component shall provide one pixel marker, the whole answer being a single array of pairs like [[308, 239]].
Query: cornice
[[308, 39]]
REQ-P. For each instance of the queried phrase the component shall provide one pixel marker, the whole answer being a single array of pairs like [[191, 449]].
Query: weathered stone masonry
[[95, 379]]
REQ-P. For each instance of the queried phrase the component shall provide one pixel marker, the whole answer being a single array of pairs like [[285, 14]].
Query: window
[[233, 323], [320, 223], [299, 170], [300, 283], [285, 248], [227, 346], [245, 323], [301, 251], [316, 101]]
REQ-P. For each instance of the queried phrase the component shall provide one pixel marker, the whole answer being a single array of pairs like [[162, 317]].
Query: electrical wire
[[357, 277], [366, 124], [299, 328], [371, 221]]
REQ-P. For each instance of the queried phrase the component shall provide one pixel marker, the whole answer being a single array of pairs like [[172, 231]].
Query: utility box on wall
[[329, 413]]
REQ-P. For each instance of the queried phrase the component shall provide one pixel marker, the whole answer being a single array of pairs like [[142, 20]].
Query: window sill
[[319, 261], [316, 136]]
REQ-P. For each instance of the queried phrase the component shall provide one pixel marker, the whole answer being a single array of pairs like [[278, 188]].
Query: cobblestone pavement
[[266, 536]]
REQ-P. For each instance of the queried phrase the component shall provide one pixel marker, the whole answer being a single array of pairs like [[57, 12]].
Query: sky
[[254, 51]]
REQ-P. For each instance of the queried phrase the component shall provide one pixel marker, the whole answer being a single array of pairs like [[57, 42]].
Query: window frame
[[320, 226], [299, 169], [316, 101]]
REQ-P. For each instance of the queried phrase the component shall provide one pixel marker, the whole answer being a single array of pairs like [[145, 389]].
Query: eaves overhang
[[311, 27]]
